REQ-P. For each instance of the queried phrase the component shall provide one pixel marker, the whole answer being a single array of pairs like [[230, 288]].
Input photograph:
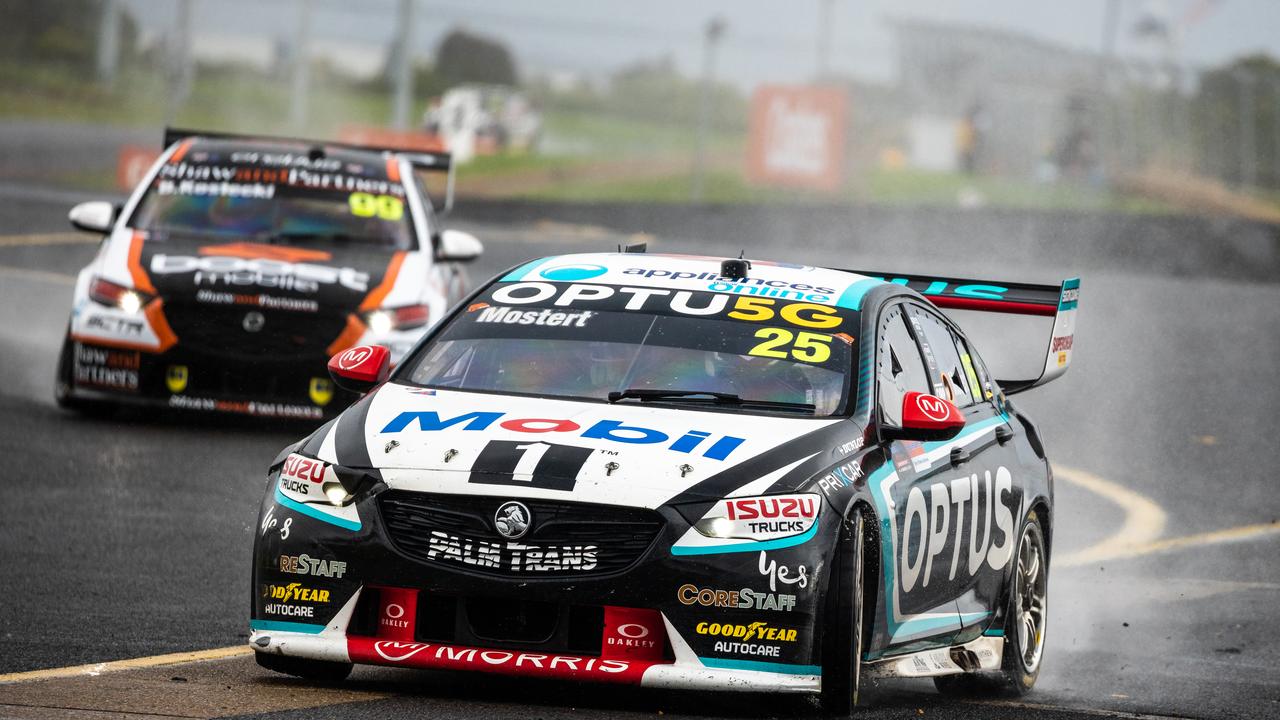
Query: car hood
[[619, 454], [229, 271]]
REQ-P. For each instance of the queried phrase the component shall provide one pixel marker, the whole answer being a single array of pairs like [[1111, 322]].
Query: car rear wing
[[1056, 301], [421, 159]]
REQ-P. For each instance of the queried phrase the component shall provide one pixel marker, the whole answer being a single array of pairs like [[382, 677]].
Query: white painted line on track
[[38, 275], [92, 669], [1144, 523], [48, 239], [1144, 520]]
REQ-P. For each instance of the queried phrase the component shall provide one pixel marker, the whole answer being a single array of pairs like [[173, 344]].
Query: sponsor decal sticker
[[746, 639], [553, 318], [610, 430], [512, 556], [744, 598], [317, 567], [573, 273], [782, 574], [175, 378], [114, 369], [321, 391]]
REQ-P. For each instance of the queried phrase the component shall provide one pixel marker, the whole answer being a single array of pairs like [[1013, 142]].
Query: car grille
[[458, 531], [219, 331]]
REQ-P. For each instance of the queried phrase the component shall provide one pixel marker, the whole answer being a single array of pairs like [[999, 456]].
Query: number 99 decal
[[386, 207], [805, 346]]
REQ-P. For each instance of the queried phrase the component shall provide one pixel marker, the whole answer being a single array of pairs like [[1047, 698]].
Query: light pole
[[1246, 111], [824, 37], [109, 42], [714, 30], [301, 68], [403, 69]]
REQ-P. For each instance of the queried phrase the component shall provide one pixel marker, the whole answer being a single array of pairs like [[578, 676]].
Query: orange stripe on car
[[259, 251], [393, 169], [374, 299], [141, 281], [160, 325], [154, 313], [181, 152], [350, 336]]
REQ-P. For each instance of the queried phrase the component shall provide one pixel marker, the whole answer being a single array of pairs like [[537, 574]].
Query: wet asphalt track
[[130, 537]]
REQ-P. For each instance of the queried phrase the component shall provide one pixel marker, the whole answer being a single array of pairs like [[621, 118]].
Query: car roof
[[363, 163], [765, 278]]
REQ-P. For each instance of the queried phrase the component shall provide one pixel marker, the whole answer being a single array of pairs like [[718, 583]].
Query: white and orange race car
[[241, 264]]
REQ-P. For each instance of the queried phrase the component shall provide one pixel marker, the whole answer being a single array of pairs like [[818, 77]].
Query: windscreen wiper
[[655, 394], [288, 238], [719, 398]]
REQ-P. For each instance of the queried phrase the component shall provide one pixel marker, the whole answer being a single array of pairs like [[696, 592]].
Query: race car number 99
[[386, 207]]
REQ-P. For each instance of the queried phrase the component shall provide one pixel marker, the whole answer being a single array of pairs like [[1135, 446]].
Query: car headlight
[[105, 292], [761, 517], [384, 320]]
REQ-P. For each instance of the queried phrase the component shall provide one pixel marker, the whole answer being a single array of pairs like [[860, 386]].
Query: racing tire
[[1024, 627], [62, 382], [842, 661], [321, 671]]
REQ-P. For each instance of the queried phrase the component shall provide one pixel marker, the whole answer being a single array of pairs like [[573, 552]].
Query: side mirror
[[95, 216], [458, 246], [928, 417], [360, 368]]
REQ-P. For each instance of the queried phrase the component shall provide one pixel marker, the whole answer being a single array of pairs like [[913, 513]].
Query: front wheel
[[842, 665], [1024, 627], [315, 670]]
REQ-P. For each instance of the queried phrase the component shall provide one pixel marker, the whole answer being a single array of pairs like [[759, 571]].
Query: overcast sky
[[767, 40]]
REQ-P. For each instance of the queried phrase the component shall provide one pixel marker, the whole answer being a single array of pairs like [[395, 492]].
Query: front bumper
[[338, 587]]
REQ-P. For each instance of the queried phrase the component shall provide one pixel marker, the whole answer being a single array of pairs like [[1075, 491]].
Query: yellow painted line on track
[[48, 239], [38, 275], [178, 658], [1144, 523], [1144, 520]]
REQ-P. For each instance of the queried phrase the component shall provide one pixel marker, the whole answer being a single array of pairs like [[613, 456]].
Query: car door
[[978, 480], [917, 611]]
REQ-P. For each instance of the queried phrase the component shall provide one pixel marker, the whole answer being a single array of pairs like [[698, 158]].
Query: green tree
[[466, 58]]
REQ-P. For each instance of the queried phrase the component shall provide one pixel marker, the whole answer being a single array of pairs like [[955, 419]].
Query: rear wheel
[[842, 666], [305, 668], [63, 380], [1024, 627]]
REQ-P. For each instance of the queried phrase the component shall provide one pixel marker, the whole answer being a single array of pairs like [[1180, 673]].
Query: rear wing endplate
[[424, 160], [1056, 301]]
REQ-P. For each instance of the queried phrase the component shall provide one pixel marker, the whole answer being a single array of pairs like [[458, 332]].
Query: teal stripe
[[882, 507], [521, 272], [994, 632], [852, 296], [282, 626], [748, 547], [761, 666], [309, 511], [1072, 284]]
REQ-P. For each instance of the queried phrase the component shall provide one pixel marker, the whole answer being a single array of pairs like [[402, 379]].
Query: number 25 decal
[[805, 346]]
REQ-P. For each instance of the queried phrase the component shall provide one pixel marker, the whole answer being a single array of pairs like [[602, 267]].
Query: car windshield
[[224, 195], [604, 351]]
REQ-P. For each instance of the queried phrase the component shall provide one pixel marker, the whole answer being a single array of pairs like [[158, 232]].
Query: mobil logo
[[611, 430], [574, 273]]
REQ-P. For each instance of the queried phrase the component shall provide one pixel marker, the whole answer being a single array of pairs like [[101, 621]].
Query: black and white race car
[[676, 472], [240, 265]]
